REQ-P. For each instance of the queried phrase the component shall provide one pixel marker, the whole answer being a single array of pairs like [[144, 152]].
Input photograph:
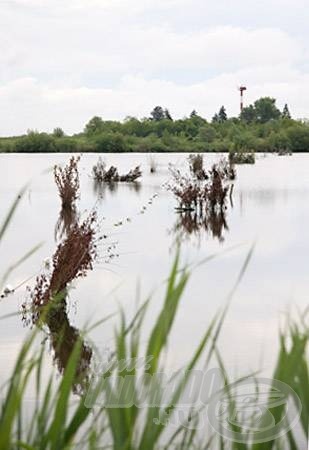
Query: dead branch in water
[[111, 175], [242, 157]]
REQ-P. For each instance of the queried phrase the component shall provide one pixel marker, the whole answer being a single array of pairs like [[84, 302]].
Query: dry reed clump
[[111, 175], [196, 164], [241, 157], [186, 190], [285, 152], [73, 258], [67, 181], [227, 169], [196, 195], [202, 197], [215, 192]]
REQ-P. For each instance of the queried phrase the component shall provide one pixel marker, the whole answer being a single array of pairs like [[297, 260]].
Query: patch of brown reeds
[[67, 181], [103, 175], [227, 169], [192, 195], [202, 201], [242, 157], [74, 257], [215, 192], [196, 165]]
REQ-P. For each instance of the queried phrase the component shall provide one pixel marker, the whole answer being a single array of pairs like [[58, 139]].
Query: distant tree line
[[261, 127]]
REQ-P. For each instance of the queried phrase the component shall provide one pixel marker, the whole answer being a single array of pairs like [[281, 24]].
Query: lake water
[[270, 210]]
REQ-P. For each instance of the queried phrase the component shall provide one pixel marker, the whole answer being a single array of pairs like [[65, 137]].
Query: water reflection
[[101, 188], [194, 224], [63, 338], [68, 217]]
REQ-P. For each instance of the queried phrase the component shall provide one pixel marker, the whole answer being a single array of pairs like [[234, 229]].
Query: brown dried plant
[[196, 165], [215, 191], [74, 257], [67, 181], [111, 175], [204, 193]]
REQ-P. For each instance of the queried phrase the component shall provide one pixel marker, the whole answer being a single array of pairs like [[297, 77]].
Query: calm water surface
[[270, 209]]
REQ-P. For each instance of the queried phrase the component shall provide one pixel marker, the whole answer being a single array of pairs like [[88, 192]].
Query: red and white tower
[[242, 89]]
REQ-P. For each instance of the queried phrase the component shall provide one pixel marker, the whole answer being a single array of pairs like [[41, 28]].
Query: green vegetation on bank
[[261, 127]]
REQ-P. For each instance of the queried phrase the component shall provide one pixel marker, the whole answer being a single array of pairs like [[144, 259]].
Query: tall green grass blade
[[162, 328], [18, 263], [12, 210]]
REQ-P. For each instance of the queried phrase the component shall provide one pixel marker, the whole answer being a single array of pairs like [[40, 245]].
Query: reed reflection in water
[[191, 223], [68, 217], [53, 320], [101, 188]]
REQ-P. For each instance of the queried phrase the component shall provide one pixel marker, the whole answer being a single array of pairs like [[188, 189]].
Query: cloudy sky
[[64, 61]]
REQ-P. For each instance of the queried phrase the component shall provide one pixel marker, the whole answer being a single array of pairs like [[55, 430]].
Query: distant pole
[[242, 89]]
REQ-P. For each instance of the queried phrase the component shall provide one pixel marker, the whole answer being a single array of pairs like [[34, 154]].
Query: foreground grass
[[61, 420]]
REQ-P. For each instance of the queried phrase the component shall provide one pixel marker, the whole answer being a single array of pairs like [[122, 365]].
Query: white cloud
[[128, 6], [65, 61], [138, 49], [27, 103]]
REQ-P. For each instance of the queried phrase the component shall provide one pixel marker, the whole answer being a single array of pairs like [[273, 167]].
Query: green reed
[[62, 420]]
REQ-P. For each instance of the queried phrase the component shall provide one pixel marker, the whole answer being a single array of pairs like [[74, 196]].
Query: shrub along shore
[[262, 127]]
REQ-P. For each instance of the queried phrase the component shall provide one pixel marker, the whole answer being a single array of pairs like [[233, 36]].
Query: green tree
[[286, 112], [221, 116], [207, 133], [58, 132], [215, 118], [167, 114], [95, 125], [279, 142], [248, 114], [157, 113], [266, 109], [299, 137], [111, 143], [35, 142]]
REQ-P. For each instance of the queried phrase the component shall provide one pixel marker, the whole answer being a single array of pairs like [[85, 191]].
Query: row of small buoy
[[142, 211]]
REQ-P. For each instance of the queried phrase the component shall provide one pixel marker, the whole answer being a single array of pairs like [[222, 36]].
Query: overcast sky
[[63, 62]]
